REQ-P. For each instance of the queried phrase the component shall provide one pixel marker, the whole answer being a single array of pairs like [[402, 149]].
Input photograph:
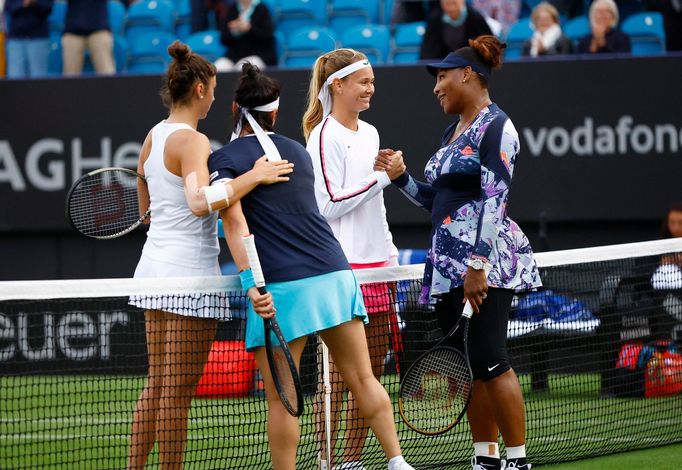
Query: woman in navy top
[[311, 283], [466, 191]]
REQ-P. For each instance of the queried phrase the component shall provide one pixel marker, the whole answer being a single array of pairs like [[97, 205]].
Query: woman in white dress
[[182, 242]]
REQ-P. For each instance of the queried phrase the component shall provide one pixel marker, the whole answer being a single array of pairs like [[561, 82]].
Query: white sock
[[517, 452], [395, 461], [487, 449]]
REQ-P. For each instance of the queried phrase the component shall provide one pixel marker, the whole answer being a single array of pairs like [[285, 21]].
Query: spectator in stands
[[2, 38], [28, 44], [605, 38], [466, 191], [201, 9], [548, 38], [87, 27], [248, 32], [408, 11], [672, 21], [500, 13], [451, 28]]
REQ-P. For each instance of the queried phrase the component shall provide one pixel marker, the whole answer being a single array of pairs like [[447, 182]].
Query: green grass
[[660, 458], [65, 422]]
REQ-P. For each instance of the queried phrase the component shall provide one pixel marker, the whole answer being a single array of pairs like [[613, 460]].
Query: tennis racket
[[103, 203], [282, 365], [436, 390]]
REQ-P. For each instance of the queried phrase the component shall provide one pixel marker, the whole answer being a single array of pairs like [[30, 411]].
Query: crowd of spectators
[[247, 29]]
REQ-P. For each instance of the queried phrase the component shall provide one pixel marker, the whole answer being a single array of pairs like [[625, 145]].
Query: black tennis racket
[[436, 390], [103, 203], [282, 365]]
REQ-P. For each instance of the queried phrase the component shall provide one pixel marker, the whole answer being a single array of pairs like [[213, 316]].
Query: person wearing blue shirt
[[28, 44], [312, 285]]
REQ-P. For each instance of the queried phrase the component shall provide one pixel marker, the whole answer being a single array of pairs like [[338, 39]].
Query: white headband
[[264, 139], [325, 97]]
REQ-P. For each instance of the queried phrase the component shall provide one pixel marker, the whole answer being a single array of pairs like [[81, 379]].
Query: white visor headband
[[325, 97], [263, 138]]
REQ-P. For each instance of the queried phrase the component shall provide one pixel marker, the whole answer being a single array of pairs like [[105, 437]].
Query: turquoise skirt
[[308, 305]]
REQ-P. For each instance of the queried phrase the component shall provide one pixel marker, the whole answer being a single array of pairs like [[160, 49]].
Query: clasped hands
[[390, 161]]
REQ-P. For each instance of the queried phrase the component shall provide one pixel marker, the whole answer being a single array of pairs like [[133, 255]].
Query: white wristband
[[216, 197]]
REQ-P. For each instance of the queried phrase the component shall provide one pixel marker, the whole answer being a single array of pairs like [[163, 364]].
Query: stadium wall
[[601, 152]]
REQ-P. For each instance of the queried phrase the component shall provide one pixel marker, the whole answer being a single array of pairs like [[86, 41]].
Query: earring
[[202, 97], [463, 81]]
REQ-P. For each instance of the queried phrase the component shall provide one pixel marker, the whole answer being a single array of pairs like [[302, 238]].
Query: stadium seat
[[386, 11], [117, 16], [372, 39], [407, 42], [519, 33], [57, 17], [149, 16], [280, 44], [646, 33], [345, 14], [305, 45], [149, 52], [183, 18], [295, 14], [576, 28], [207, 44]]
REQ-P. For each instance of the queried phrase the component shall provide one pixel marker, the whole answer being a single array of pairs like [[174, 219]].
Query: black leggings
[[487, 330]]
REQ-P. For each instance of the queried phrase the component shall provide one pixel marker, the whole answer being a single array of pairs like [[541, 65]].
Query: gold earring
[[202, 97]]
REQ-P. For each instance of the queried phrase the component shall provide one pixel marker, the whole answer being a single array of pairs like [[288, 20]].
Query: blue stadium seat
[[206, 44], [372, 39], [305, 45], [576, 28], [646, 33], [57, 17], [519, 33], [183, 18], [150, 16], [386, 11], [117, 16], [295, 14], [148, 52], [407, 42], [345, 14], [280, 45]]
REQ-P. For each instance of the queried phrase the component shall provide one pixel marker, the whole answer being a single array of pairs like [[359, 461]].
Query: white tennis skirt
[[214, 305]]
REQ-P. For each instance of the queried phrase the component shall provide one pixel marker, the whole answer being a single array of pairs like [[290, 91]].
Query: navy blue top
[[84, 17], [293, 239], [28, 22]]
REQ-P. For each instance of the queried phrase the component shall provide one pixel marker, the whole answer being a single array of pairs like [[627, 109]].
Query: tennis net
[[596, 352]]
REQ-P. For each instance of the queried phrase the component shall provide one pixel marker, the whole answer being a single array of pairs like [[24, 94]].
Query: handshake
[[391, 162]]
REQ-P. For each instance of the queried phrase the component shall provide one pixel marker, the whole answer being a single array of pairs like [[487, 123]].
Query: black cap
[[454, 61]]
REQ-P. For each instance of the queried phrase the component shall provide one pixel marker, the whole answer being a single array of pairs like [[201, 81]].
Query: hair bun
[[179, 51], [251, 71], [489, 50]]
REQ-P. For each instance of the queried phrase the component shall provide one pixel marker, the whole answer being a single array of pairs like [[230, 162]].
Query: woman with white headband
[[349, 194], [182, 242], [312, 285]]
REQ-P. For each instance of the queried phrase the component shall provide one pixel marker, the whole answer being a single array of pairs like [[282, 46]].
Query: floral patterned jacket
[[466, 191]]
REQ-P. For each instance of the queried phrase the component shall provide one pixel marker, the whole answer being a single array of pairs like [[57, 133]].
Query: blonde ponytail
[[325, 65]]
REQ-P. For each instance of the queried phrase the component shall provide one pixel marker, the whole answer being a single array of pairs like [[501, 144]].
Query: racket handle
[[254, 262], [468, 310]]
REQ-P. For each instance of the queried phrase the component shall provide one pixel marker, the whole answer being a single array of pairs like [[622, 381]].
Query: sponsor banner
[[596, 143]]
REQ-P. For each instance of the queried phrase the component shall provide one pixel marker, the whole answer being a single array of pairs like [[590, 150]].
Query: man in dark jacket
[[451, 28]]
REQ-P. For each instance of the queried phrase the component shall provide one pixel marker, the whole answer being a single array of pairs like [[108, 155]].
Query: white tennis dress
[[179, 244]]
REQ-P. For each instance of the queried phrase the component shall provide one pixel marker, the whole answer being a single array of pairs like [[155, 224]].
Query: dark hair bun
[[489, 50], [251, 71], [179, 51]]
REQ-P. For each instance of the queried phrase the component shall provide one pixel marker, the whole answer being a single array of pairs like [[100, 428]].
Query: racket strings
[[436, 390], [104, 204], [288, 391]]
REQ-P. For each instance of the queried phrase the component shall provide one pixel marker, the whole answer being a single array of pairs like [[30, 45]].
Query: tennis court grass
[[84, 421]]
